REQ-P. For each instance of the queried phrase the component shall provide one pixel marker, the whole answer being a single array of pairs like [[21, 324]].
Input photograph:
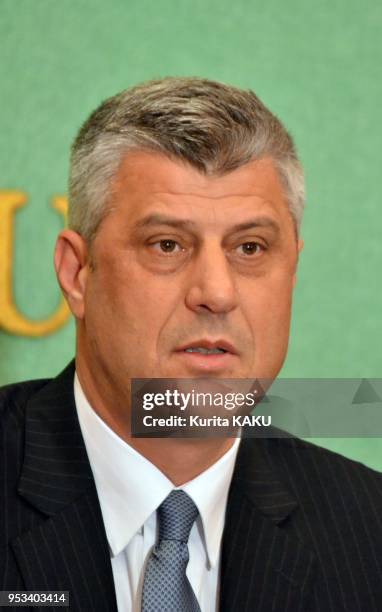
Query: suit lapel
[[69, 550], [263, 568]]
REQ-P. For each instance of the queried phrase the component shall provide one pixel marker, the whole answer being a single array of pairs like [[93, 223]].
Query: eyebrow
[[156, 219]]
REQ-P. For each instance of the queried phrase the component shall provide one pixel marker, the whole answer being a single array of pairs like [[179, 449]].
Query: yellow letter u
[[11, 320]]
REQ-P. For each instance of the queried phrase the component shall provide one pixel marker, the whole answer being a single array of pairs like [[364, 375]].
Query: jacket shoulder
[[14, 398], [321, 454], [337, 482]]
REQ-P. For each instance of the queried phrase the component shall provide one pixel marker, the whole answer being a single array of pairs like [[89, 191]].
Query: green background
[[316, 65]]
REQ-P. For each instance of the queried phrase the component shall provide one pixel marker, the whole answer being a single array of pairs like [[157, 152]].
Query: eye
[[250, 248], [167, 246]]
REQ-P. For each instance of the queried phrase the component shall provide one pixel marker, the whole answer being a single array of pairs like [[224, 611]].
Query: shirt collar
[[209, 491], [119, 472]]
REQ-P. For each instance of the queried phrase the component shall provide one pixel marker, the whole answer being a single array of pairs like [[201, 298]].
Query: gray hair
[[214, 127]]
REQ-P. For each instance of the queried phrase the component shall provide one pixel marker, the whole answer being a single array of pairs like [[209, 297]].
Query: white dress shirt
[[130, 488]]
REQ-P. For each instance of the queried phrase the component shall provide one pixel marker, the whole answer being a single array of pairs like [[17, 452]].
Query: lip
[[209, 344], [215, 363]]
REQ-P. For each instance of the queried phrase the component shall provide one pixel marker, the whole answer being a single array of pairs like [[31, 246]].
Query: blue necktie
[[166, 587]]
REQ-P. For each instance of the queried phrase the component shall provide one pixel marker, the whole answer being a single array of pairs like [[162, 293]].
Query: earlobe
[[71, 264]]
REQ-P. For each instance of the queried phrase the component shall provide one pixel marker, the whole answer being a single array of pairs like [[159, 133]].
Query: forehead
[[151, 182]]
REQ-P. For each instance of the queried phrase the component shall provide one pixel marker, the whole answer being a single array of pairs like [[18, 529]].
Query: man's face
[[184, 261]]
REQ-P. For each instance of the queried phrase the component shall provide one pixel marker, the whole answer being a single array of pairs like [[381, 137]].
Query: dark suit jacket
[[303, 526]]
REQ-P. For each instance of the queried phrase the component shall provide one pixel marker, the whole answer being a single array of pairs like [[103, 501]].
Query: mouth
[[205, 354], [208, 347]]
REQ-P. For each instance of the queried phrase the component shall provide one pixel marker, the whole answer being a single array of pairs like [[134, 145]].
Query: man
[[180, 260]]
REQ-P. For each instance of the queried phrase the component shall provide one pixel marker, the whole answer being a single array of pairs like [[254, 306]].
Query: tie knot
[[176, 516]]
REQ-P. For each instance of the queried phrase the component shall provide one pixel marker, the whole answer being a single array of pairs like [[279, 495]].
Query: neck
[[180, 459]]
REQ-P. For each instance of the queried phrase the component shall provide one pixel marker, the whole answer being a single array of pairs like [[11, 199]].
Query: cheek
[[129, 300], [269, 309]]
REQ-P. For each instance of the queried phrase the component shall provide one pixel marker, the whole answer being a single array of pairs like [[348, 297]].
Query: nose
[[211, 285]]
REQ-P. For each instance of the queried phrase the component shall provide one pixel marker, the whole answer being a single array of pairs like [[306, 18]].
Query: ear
[[72, 268], [300, 246]]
